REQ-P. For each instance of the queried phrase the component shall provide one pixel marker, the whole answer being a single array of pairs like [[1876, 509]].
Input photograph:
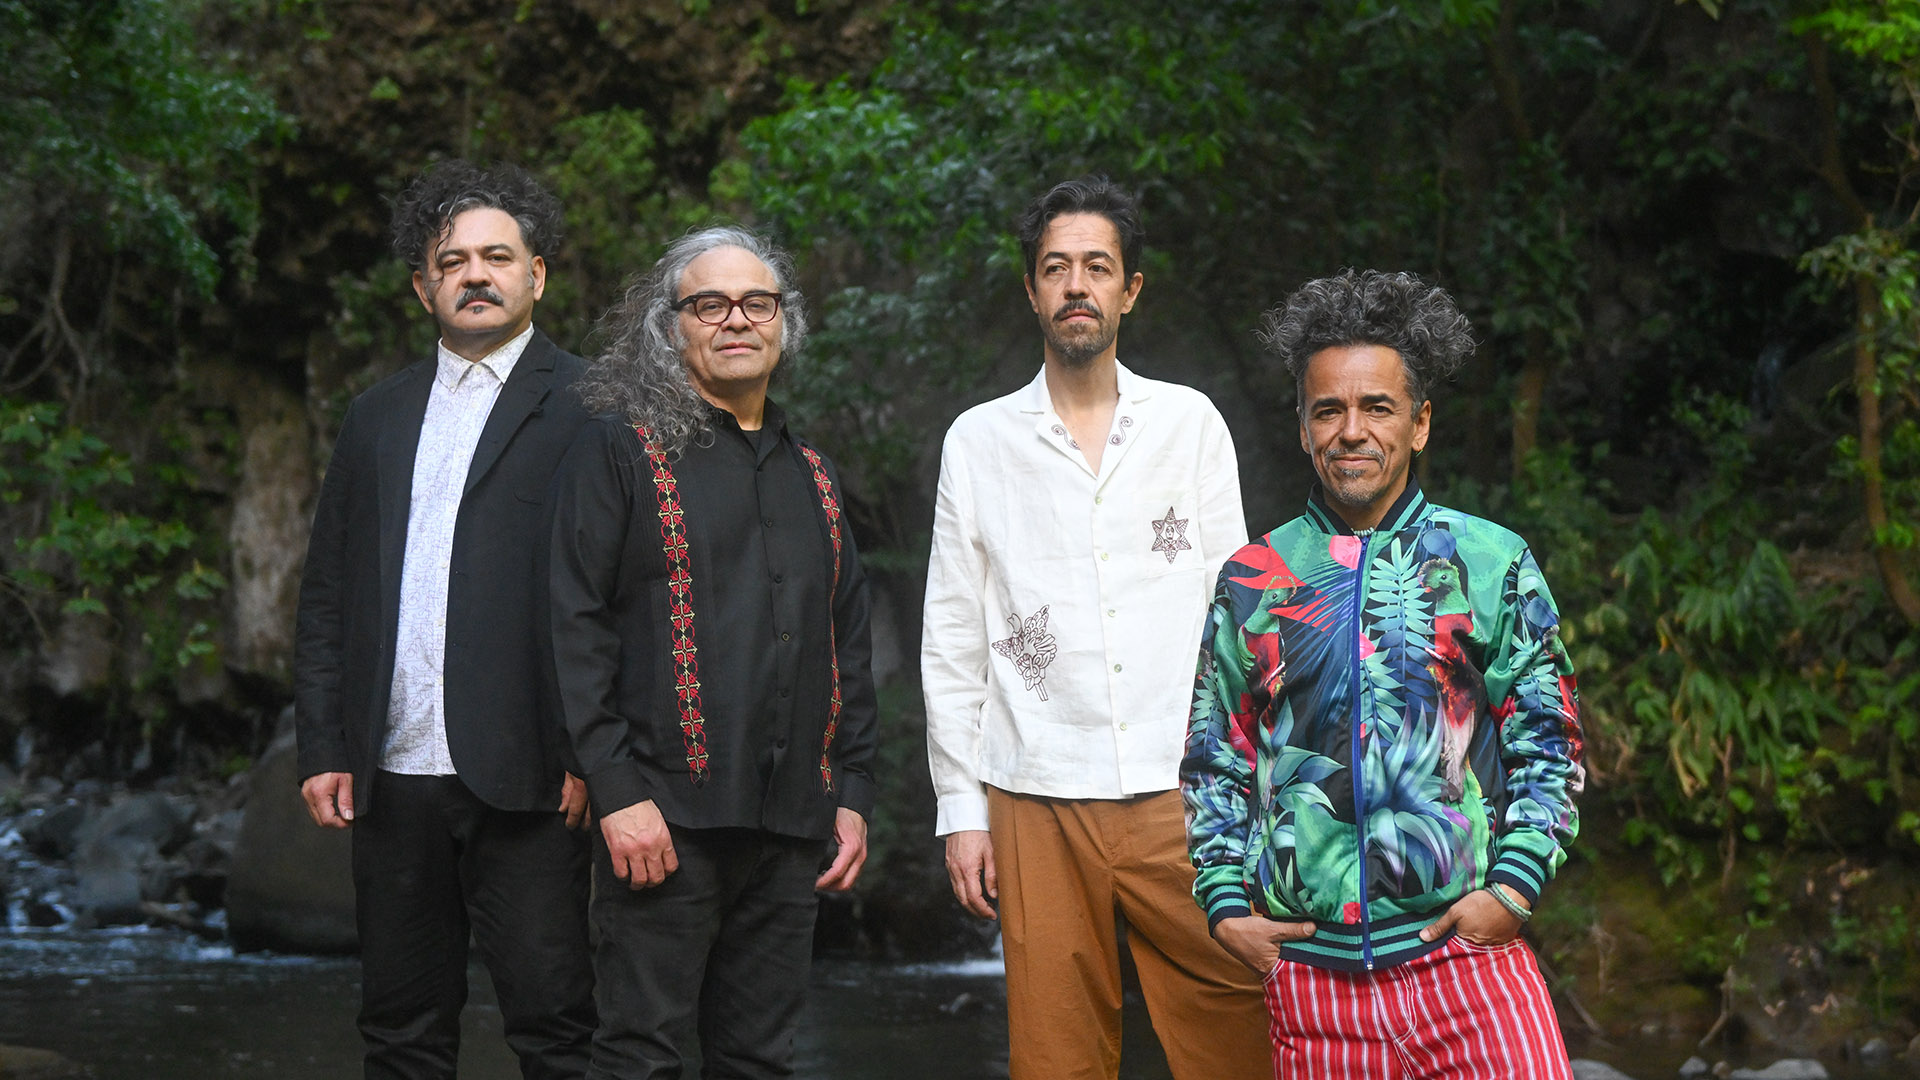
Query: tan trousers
[[1066, 867]]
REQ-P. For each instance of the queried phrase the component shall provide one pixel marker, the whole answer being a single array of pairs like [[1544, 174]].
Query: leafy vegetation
[[1686, 234]]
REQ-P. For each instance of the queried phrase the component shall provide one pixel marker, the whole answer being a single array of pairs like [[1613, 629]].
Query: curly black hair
[[1087, 195], [423, 212], [1367, 307]]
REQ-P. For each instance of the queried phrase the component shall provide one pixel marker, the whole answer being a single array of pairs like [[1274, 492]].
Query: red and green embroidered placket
[[832, 506], [686, 655]]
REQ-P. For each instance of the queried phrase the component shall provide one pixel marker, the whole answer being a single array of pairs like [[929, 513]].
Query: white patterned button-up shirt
[[457, 408], [1064, 605]]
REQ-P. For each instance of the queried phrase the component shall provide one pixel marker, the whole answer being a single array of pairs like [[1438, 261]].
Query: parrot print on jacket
[[1428, 652]]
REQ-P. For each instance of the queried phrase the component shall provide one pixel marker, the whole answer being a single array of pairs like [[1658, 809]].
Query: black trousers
[[433, 865], [720, 950]]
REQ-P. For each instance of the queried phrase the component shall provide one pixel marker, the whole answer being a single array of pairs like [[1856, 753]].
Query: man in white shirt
[[1079, 526]]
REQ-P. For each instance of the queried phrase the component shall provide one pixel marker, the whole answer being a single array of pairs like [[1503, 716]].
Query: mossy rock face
[[1628, 950], [1811, 953]]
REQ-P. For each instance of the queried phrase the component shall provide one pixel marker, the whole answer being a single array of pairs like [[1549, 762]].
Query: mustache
[[479, 292], [1074, 306], [1328, 454]]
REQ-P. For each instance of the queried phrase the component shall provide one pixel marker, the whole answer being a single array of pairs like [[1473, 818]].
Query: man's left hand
[[573, 802], [850, 832], [1479, 918]]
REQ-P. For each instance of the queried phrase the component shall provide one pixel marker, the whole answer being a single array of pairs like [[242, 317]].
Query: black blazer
[[503, 720]]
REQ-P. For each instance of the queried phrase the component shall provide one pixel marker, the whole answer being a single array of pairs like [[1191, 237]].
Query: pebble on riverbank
[[27, 1063]]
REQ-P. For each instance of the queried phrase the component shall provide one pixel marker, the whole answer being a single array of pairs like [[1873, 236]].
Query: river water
[[156, 1005]]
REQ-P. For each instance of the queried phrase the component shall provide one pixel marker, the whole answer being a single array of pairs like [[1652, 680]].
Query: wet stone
[[1786, 1069]]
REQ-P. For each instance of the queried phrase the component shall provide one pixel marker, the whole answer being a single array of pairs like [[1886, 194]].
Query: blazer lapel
[[399, 442], [526, 388]]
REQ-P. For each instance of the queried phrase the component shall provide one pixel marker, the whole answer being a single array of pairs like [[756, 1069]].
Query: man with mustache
[[425, 709], [1385, 745], [1078, 526]]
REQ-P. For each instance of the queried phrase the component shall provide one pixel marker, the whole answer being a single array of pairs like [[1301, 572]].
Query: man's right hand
[[640, 845], [970, 870], [329, 798], [1255, 940]]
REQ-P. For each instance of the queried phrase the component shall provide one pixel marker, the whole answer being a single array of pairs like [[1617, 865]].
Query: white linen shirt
[[1064, 606], [458, 405]]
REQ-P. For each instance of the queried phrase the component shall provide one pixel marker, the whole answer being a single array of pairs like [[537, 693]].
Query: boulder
[[148, 820], [107, 885], [1786, 1069], [290, 884], [54, 832], [1694, 1068]]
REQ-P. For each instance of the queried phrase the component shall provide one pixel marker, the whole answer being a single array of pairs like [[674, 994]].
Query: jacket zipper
[[1359, 752]]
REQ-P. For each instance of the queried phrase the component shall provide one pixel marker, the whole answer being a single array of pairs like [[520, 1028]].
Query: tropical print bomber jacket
[[1426, 650]]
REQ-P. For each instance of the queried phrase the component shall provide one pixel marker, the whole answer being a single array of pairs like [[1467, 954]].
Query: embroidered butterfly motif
[[1030, 648]]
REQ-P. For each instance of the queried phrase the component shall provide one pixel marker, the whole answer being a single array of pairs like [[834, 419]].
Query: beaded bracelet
[[1509, 903]]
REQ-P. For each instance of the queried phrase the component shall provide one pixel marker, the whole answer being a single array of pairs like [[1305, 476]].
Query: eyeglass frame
[[685, 304]]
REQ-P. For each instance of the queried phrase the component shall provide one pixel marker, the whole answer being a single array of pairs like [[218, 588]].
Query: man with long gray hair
[[709, 621]]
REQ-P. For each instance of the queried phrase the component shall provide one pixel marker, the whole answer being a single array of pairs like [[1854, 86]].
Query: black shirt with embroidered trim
[[762, 567]]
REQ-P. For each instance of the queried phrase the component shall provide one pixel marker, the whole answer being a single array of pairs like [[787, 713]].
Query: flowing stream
[[156, 1005]]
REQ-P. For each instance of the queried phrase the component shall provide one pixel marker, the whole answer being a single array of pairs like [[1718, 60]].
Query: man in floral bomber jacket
[[1385, 744]]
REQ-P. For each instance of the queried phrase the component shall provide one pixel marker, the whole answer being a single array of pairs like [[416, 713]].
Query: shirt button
[[779, 744], [1103, 556], [1123, 725], [1097, 500], [777, 579], [768, 522], [1116, 667], [786, 637], [1109, 613]]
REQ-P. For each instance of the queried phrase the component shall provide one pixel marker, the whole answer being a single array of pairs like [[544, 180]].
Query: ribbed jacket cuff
[[1525, 874], [1222, 895]]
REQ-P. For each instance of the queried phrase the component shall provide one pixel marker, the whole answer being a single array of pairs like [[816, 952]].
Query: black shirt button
[[768, 522], [778, 578], [779, 744], [783, 691]]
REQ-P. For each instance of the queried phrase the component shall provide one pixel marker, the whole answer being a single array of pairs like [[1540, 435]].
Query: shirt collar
[[451, 367], [1035, 399]]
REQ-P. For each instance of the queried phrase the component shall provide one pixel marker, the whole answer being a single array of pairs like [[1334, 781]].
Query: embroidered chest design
[[680, 614], [686, 654], [1170, 535], [1030, 648]]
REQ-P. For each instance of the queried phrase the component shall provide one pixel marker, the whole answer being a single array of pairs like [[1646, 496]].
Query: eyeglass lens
[[713, 308]]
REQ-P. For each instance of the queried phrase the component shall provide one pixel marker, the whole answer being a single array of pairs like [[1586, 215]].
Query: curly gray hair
[[1367, 307], [640, 374]]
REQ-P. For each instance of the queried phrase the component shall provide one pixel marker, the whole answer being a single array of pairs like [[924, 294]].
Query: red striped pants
[[1461, 1012]]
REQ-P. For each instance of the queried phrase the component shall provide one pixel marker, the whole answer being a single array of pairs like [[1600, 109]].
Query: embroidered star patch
[[1170, 535], [1030, 648]]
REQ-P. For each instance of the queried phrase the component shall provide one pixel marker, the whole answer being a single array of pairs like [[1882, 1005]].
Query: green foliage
[[79, 550], [116, 125], [1884, 31]]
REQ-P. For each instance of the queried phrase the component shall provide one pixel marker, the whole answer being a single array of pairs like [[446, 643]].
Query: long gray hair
[[640, 374]]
